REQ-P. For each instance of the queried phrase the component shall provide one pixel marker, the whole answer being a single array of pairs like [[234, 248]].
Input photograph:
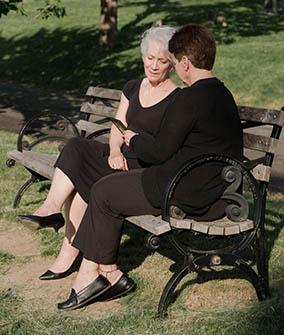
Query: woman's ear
[[186, 63]]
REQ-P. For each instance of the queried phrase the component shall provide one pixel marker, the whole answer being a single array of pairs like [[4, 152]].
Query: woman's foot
[[112, 273], [120, 288], [35, 222], [47, 209], [86, 295], [50, 275], [87, 274], [65, 258]]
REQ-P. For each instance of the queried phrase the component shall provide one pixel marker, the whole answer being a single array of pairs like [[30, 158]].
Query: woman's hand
[[117, 161], [127, 136]]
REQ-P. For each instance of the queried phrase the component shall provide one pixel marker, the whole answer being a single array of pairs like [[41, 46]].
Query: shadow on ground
[[70, 59]]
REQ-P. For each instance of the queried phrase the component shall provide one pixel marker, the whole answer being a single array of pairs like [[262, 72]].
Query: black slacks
[[112, 198]]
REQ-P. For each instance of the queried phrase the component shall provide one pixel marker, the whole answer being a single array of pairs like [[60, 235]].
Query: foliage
[[52, 7], [11, 5]]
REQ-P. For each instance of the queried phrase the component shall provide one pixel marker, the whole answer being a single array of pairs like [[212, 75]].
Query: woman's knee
[[73, 147], [105, 195]]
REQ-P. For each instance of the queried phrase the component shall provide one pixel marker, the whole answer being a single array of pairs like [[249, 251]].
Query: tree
[[272, 4], [108, 20], [108, 23], [52, 7]]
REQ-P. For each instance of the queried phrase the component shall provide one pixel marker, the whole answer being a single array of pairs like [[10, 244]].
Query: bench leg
[[23, 189], [262, 262], [170, 287], [257, 281], [194, 262], [261, 259]]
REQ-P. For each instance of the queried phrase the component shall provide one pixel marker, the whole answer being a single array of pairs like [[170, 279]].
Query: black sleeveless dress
[[86, 161]]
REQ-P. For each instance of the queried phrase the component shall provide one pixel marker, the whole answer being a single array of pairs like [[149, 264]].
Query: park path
[[21, 275]]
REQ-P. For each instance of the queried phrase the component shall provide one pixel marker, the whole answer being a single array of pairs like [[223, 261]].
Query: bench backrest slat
[[266, 116], [91, 127], [260, 143], [100, 92], [98, 109]]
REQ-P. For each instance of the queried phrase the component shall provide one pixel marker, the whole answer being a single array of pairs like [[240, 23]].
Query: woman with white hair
[[83, 162]]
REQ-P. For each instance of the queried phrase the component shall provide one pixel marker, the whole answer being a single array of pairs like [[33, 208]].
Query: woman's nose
[[154, 64]]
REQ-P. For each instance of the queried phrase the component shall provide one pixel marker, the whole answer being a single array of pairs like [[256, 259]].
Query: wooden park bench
[[202, 244]]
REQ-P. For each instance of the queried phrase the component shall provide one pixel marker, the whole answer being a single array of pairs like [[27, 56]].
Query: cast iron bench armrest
[[62, 124], [236, 221]]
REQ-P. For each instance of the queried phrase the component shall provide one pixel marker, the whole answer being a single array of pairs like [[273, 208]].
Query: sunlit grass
[[63, 54], [208, 302]]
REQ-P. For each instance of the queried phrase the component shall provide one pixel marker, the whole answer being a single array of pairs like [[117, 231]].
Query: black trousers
[[112, 198]]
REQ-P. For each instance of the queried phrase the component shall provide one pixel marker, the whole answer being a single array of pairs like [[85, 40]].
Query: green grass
[[63, 54], [208, 302]]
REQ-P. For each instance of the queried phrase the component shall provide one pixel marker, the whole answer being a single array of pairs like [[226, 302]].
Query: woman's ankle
[[112, 276]]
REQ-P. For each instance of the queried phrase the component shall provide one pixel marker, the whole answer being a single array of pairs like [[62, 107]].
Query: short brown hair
[[197, 43]]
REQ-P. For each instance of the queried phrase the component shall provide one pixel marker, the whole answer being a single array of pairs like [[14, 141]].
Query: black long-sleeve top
[[201, 119]]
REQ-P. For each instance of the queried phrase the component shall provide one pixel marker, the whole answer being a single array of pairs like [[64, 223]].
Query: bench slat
[[105, 93], [268, 116], [262, 173], [260, 143], [224, 226], [91, 127], [153, 224], [36, 161], [98, 109]]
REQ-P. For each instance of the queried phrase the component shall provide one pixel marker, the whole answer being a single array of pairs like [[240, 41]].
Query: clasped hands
[[127, 136], [116, 160]]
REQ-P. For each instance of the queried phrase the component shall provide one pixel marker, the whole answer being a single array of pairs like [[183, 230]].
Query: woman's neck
[[161, 85]]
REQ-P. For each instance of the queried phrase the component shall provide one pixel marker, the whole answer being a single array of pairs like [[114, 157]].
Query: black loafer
[[119, 289], [87, 294], [50, 275], [36, 222]]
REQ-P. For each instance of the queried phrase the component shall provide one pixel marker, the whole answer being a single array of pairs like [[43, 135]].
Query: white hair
[[161, 34]]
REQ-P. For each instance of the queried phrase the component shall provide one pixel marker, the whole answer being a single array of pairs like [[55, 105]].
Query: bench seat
[[35, 161]]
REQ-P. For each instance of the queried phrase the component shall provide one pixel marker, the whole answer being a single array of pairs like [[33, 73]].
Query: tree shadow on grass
[[70, 60]]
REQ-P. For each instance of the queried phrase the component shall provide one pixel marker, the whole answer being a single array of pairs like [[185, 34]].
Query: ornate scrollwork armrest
[[46, 127], [234, 174]]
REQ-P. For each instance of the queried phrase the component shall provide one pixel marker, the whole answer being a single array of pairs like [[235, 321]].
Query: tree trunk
[[108, 24]]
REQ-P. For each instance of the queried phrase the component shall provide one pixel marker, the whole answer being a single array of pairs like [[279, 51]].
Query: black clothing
[[86, 161], [111, 199], [203, 119]]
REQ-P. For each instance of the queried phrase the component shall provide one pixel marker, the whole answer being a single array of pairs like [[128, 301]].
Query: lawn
[[208, 302], [63, 54]]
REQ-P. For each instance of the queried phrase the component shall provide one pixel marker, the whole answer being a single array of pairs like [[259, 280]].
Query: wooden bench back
[[262, 129], [103, 103]]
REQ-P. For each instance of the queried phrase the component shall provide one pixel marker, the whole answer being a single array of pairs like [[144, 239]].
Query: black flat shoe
[[119, 289], [35, 222], [87, 294], [50, 275]]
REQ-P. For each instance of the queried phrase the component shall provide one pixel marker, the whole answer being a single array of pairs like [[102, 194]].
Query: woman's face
[[156, 65]]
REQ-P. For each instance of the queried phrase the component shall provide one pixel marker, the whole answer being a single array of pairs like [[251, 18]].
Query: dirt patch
[[21, 275]]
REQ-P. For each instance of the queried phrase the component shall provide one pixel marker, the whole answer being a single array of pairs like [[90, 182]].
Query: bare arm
[[116, 159]]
